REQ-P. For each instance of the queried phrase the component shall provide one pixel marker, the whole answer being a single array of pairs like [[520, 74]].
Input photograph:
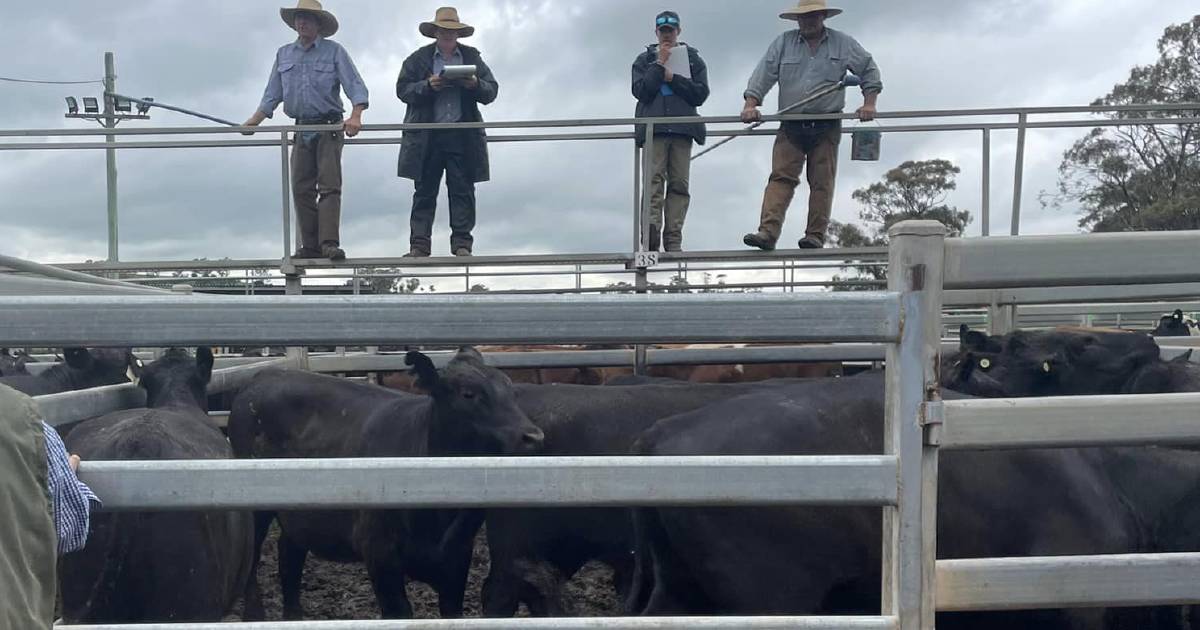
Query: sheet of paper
[[458, 72], [680, 62]]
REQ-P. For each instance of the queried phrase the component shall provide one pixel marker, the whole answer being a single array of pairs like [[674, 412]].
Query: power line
[[11, 80]]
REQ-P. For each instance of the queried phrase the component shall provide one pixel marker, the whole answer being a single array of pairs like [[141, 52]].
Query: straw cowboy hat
[[328, 23], [447, 18], [809, 6]]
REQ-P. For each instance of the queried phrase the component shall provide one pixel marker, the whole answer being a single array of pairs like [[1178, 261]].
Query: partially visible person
[[46, 512], [461, 154], [802, 61], [661, 93], [308, 77]]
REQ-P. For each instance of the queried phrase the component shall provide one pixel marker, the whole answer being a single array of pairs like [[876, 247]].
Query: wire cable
[[11, 80]]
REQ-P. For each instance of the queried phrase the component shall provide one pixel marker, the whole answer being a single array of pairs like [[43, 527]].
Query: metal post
[[986, 204], [647, 189], [909, 547], [287, 201], [637, 196], [578, 277], [1002, 318], [110, 154], [1019, 177], [294, 285]]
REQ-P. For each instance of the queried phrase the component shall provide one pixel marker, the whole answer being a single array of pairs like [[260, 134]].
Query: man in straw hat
[[307, 78], [803, 61], [460, 153]]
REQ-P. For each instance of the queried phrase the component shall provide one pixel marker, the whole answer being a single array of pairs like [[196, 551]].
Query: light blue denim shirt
[[309, 81], [448, 108], [799, 71]]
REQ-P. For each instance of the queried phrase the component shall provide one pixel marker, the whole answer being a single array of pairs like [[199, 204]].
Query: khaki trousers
[[317, 188], [672, 168], [795, 146]]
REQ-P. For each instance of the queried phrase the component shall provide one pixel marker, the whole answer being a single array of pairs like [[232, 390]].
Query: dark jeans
[[447, 152]]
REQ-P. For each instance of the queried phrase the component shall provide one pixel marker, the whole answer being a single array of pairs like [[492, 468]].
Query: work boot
[[811, 242], [462, 252], [759, 240], [305, 253], [655, 240], [330, 250], [416, 253]]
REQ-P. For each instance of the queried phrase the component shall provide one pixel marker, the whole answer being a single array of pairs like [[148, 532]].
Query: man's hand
[[73, 461], [470, 83], [667, 74], [437, 83], [352, 126], [664, 53], [867, 112], [750, 114], [250, 123]]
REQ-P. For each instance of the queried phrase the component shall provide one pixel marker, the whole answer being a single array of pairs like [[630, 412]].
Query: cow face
[[476, 408], [10, 364], [177, 377]]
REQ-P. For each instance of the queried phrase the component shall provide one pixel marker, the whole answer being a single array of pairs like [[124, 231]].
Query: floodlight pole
[[110, 122]]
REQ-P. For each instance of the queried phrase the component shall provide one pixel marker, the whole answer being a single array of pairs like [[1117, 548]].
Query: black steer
[[12, 365], [470, 410], [535, 551], [805, 560], [160, 566], [1176, 325], [81, 369]]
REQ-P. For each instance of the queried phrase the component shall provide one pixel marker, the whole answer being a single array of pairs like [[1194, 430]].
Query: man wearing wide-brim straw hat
[[308, 77], [459, 153], [802, 61]]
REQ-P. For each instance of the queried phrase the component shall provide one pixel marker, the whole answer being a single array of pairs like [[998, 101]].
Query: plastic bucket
[[864, 145]]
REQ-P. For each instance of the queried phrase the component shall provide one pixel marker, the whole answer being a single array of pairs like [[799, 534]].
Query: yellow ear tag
[[1046, 367], [985, 363]]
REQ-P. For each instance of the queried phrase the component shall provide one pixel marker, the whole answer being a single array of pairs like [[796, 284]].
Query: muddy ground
[[342, 591]]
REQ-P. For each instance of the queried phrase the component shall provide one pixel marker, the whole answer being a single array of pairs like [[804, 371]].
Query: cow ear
[[204, 363], [469, 353], [1184, 358], [78, 358], [971, 339], [424, 369]]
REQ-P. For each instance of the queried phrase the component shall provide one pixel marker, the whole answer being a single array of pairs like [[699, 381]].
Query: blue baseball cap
[[667, 18]]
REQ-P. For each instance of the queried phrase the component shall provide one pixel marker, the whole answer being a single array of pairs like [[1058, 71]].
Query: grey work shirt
[[308, 81], [448, 107], [799, 71]]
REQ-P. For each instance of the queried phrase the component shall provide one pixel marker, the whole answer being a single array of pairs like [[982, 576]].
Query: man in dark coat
[[460, 153], [661, 92]]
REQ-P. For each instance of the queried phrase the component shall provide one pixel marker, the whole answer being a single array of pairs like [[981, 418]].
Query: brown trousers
[[793, 147], [672, 169], [317, 188]]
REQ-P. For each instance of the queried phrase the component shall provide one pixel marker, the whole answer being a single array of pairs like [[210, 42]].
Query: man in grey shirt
[[308, 77], [802, 61]]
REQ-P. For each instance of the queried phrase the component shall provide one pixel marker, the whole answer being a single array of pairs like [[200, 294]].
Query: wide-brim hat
[[328, 23], [447, 18], [809, 6]]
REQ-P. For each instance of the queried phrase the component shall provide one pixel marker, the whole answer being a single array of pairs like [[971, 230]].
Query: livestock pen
[[903, 480]]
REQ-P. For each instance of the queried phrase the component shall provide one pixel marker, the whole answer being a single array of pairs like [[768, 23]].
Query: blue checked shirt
[[309, 81], [448, 105], [70, 496]]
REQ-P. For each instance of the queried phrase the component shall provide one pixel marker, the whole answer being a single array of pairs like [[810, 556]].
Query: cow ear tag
[[1046, 367], [985, 364]]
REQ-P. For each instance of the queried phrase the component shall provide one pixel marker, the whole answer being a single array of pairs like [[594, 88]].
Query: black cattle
[[470, 410], [164, 566], [534, 551], [82, 369], [1176, 325], [12, 365], [802, 560], [1064, 362]]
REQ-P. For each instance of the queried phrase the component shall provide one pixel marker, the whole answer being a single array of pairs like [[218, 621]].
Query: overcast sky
[[553, 59]]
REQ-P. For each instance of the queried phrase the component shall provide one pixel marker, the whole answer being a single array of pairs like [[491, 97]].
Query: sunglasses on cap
[[667, 20]]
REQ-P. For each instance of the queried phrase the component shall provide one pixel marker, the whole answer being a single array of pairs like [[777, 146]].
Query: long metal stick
[[173, 108], [840, 85]]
